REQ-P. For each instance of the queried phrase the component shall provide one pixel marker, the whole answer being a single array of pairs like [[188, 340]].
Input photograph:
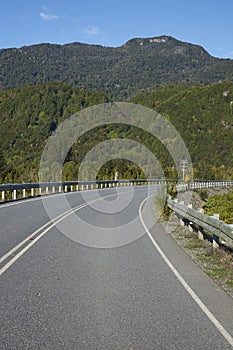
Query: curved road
[[93, 270]]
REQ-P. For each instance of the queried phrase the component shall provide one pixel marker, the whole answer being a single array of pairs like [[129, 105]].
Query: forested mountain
[[203, 115], [121, 72]]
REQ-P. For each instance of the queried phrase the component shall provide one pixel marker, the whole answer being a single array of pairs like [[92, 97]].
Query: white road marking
[[194, 296], [4, 257], [55, 221], [50, 225]]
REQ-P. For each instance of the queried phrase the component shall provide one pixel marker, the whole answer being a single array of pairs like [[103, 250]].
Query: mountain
[[139, 64], [203, 116]]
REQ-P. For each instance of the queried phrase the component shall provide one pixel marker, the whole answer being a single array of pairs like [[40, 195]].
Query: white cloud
[[47, 16], [91, 30]]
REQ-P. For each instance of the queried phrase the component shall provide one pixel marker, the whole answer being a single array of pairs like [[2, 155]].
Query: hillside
[[28, 116], [203, 115], [121, 72]]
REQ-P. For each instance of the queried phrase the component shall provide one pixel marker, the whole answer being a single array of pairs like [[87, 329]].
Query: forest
[[121, 72], [202, 115]]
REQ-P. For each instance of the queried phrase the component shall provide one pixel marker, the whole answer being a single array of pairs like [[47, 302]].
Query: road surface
[[102, 276]]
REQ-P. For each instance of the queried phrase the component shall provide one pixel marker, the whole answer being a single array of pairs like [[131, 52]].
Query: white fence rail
[[25, 190], [199, 184]]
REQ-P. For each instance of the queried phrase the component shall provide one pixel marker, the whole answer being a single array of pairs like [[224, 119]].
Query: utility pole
[[184, 166]]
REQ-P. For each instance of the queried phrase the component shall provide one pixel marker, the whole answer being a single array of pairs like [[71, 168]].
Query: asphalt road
[[95, 271]]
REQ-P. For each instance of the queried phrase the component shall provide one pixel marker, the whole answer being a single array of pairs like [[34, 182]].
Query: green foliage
[[125, 168], [203, 117], [2, 165], [222, 205], [201, 114], [203, 194], [28, 116], [171, 190], [162, 198]]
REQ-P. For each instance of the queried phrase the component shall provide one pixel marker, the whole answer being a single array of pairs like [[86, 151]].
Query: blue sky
[[111, 23]]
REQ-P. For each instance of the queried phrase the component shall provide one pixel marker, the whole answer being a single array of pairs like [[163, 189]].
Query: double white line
[[43, 229]]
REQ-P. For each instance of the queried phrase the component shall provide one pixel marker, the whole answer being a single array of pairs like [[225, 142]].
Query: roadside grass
[[219, 265], [216, 263]]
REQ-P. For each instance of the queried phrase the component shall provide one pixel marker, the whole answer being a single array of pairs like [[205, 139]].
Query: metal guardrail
[[199, 184], [15, 191], [219, 231]]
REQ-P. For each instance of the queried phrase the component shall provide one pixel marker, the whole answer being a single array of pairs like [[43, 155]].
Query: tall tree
[[2, 165]]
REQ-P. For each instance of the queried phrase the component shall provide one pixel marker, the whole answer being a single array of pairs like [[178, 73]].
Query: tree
[[2, 165]]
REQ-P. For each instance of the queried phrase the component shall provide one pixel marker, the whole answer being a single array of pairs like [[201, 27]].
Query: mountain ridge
[[154, 39], [122, 72]]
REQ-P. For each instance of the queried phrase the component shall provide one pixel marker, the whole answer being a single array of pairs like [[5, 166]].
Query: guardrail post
[[60, 189], [53, 189], [77, 188], [14, 195], [24, 192], [66, 188], [32, 192], [215, 241], [3, 195], [46, 190], [182, 223], [200, 234], [190, 227]]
